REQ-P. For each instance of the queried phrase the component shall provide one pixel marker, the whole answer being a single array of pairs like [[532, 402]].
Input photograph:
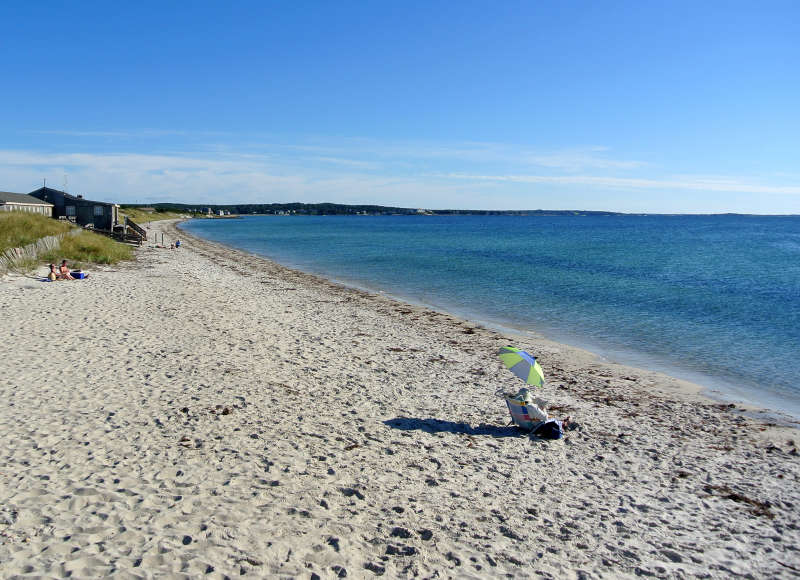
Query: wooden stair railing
[[129, 223]]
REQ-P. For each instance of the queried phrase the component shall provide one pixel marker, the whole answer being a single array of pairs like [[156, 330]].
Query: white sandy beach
[[202, 412]]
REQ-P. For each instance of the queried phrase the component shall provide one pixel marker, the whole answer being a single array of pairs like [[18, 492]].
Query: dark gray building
[[99, 214], [21, 202]]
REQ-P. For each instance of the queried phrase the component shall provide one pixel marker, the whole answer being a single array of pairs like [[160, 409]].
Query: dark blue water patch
[[710, 294]]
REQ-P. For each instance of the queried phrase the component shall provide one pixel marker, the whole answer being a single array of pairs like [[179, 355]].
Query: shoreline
[[214, 413], [713, 392]]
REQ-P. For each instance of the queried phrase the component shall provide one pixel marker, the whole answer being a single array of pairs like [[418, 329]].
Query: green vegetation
[[142, 217], [89, 247], [199, 210], [18, 228]]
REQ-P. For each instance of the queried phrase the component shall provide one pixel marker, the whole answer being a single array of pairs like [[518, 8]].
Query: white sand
[[205, 413]]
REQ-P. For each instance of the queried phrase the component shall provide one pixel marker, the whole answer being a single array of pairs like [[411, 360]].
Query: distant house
[[98, 214], [21, 202]]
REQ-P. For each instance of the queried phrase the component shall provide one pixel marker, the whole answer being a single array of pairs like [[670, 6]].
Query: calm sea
[[712, 299]]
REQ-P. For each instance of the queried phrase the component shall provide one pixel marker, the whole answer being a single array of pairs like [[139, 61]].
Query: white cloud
[[699, 184], [458, 176], [226, 178], [576, 160], [348, 162], [140, 133], [523, 157]]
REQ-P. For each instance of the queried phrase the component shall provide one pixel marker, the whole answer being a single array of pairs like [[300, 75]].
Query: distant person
[[64, 271], [177, 243], [53, 275]]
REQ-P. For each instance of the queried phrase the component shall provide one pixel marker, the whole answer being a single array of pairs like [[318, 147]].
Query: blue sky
[[677, 107]]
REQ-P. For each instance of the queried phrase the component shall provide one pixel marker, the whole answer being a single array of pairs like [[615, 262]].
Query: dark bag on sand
[[549, 430]]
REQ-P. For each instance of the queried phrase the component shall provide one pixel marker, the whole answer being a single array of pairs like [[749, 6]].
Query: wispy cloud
[[522, 157], [580, 159], [139, 133], [368, 153], [349, 162], [218, 178], [699, 184], [450, 175]]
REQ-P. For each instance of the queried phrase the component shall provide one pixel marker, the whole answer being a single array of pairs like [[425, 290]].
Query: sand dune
[[207, 413]]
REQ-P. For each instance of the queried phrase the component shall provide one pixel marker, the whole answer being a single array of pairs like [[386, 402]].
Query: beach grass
[[140, 216], [89, 247], [18, 229]]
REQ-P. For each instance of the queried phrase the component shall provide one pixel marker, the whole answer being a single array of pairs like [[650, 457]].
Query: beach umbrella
[[522, 364]]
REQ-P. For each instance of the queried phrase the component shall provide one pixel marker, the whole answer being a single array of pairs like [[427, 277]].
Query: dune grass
[[18, 228], [142, 217], [88, 247]]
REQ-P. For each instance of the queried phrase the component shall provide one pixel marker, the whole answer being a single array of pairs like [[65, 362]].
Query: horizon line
[[454, 210]]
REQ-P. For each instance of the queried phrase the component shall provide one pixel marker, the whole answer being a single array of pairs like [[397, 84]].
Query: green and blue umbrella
[[522, 364]]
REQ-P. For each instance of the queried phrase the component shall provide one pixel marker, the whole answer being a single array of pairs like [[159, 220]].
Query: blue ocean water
[[712, 299]]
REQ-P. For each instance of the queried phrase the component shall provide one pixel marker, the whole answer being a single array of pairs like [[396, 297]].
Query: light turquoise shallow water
[[713, 299]]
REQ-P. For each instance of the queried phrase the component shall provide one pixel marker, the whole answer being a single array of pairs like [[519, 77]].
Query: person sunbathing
[[64, 271], [52, 275]]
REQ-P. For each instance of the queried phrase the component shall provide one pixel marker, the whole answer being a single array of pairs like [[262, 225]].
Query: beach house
[[22, 202], [84, 212]]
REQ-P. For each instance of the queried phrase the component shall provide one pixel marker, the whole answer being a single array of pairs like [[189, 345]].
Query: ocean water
[[711, 299]]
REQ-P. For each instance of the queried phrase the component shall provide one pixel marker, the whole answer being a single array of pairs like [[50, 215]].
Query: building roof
[[68, 196], [21, 198]]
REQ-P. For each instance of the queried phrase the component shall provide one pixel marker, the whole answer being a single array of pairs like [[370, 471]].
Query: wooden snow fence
[[13, 256]]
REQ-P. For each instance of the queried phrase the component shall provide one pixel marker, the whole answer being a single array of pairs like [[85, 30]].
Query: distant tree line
[[342, 209], [274, 208]]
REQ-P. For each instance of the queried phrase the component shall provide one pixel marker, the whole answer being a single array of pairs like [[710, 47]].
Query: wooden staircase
[[133, 232]]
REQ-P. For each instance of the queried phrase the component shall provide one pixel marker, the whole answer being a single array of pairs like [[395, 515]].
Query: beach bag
[[549, 430]]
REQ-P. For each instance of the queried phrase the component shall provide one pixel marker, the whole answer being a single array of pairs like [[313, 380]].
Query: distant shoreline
[[366, 209]]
